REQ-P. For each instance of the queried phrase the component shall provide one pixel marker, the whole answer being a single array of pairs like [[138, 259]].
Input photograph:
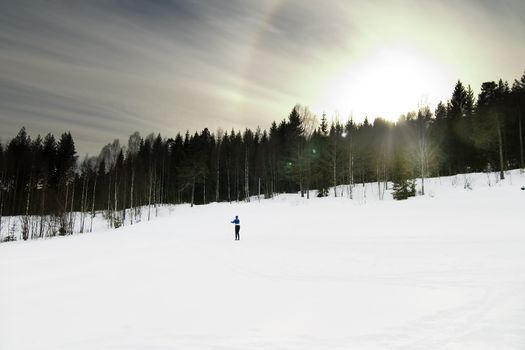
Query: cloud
[[105, 68], [114, 66]]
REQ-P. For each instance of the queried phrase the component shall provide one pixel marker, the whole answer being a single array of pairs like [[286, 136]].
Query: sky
[[103, 69]]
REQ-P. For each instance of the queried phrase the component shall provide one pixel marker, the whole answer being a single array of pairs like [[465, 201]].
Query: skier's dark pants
[[237, 229]]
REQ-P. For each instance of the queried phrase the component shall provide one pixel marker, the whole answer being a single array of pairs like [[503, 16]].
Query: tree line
[[43, 181]]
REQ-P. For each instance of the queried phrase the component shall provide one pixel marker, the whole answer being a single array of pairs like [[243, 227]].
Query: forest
[[45, 183]]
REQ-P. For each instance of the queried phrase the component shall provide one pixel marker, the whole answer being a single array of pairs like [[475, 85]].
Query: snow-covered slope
[[440, 271]]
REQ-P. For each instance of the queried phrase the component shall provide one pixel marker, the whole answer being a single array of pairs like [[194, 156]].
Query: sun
[[386, 83]]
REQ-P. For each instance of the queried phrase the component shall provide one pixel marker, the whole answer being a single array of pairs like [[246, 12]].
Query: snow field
[[441, 271]]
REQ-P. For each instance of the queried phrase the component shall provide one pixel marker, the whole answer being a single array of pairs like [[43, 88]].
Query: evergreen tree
[[403, 187], [322, 165], [489, 122]]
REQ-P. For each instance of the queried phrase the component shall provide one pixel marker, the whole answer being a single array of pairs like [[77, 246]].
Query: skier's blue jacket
[[236, 221]]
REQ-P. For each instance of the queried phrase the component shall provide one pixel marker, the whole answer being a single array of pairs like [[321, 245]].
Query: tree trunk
[[86, 201], [422, 180], [378, 182], [300, 161], [42, 210], [246, 176], [28, 202], [335, 168], [500, 144], [204, 190], [351, 171], [71, 221], [82, 209], [158, 194], [308, 176], [162, 183], [192, 191], [217, 178], [14, 206], [521, 143], [385, 179], [132, 213], [110, 214], [237, 190], [352, 181], [115, 194], [28, 199], [124, 197], [422, 169], [64, 214], [228, 179], [149, 194], [93, 204]]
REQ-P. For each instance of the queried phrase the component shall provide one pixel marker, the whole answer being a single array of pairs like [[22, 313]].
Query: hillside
[[440, 271]]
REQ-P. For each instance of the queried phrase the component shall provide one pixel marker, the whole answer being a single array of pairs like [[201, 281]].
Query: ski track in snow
[[441, 271]]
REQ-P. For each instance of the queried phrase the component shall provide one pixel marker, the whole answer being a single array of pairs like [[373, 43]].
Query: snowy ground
[[441, 271], [12, 226]]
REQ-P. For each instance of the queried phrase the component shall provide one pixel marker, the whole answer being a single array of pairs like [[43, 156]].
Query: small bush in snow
[[404, 189], [403, 186], [467, 182]]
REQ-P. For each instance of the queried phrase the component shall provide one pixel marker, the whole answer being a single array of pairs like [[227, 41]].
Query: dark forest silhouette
[[43, 181]]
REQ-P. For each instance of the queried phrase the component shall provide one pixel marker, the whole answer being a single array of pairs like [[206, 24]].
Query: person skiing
[[237, 223]]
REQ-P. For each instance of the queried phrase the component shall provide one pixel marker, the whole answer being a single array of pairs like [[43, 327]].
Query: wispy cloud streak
[[104, 69]]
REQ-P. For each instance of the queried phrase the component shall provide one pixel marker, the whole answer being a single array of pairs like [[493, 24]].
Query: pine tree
[[323, 164], [489, 122], [66, 163], [403, 187]]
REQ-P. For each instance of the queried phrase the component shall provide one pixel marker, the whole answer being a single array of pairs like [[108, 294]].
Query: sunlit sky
[[106, 68]]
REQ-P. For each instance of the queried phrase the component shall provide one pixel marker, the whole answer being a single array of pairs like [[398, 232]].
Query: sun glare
[[386, 83]]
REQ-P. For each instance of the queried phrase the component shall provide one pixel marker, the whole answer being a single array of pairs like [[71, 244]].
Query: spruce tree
[[404, 187], [322, 165]]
